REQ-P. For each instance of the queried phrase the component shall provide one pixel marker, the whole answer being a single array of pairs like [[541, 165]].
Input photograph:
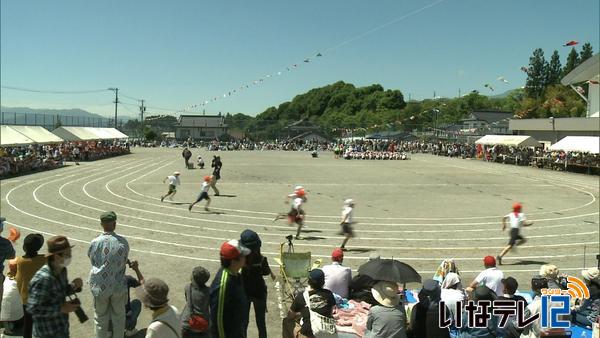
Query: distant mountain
[[63, 112], [503, 95]]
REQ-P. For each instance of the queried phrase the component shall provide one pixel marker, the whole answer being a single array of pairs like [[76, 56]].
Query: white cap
[[298, 187], [349, 201], [176, 173]]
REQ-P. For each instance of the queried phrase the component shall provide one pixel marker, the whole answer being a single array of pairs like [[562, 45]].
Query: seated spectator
[[387, 319], [591, 277], [425, 317], [314, 299], [165, 319], [361, 285], [452, 292], [196, 313], [510, 288], [132, 307], [533, 330], [337, 276], [550, 272], [481, 294], [588, 312], [490, 277]]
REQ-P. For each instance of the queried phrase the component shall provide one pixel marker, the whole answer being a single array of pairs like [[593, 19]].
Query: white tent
[[88, 133], [588, 144], [38, 134], [10, 137], [509, 140]]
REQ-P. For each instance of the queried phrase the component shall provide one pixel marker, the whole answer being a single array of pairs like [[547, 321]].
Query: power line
[[55, 91], [130, 97]]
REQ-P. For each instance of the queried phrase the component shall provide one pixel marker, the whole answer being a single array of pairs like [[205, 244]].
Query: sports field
[[419, 211]]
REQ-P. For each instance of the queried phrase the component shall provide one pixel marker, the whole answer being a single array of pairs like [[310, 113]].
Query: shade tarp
[[509, 140], [38, 134], [88, 133], [587, 144], [10, 137]]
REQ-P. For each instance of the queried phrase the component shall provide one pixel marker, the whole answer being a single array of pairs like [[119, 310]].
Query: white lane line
[[311, 184]]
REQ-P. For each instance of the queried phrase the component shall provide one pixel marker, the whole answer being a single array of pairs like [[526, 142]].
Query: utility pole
[[116, 90], [142, 111]]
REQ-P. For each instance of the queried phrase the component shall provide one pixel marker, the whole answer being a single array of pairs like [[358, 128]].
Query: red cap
[[517, 207], [489, 261], [337, 255], [233, 249], [207, 178], [300, 192]]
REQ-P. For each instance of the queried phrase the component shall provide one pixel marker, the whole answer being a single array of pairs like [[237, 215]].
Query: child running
[[298, 192], [203, 194], [346, 223], [516, 219], [173, 183]]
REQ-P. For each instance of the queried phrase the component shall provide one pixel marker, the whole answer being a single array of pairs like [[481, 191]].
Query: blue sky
[[178, 53]]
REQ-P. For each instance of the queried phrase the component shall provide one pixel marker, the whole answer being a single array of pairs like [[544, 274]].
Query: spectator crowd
[[39, 296], [20, 160]]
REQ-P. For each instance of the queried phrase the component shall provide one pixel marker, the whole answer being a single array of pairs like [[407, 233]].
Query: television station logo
[[554, 309]]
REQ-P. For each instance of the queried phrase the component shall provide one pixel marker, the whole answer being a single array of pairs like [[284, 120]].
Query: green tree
[[536, 76], [553, 70], [586, 52], [150, 134], [572, 62]]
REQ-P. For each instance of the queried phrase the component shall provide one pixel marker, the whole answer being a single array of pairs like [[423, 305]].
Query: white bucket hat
[[386, 293]]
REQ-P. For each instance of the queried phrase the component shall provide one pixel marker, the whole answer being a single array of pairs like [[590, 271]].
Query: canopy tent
[[10, 137], [587, 144], [509, 140], [38, 134], [88, 133]]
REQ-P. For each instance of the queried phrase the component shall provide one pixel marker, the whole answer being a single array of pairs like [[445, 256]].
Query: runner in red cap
[[296, 213], [203, 194], [516, 219]]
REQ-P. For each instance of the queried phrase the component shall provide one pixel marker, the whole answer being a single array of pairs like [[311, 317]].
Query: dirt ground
[[418, 211]]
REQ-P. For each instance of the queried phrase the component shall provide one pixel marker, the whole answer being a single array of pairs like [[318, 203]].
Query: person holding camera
[[48, 292], [108, 255]]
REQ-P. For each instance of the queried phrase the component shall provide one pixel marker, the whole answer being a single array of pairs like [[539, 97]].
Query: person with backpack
[[315, 306], [196, 313], [153, 293]]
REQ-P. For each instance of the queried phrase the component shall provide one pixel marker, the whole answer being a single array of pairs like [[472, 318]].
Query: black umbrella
[[390, 270]]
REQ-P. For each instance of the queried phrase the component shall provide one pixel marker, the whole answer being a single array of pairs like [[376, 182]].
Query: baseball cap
[[317, 276], [233, 249], [349, 201], [517, 207], [108, 216], [207, 178], [489, 261], [177, 173], [337, 255]]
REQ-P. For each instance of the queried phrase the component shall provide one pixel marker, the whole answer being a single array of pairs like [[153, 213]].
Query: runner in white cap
[[347, 214], [173, 183]]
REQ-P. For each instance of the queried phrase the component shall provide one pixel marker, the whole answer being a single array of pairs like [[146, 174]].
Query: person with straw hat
[[387, 319], [49, 289]]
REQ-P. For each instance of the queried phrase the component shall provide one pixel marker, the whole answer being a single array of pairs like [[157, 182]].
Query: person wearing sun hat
[[173, 183], [154, 294], [227, 294], [388, 318], [48, 292], [591, 277]]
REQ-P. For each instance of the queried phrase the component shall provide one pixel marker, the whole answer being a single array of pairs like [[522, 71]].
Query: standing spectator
[[255, 287], [133, 307], [490, 277], [187, 154], [75, 152], [6, 252], [217, 165], [337, 276], [227, 295], [49, 289], [196, 313], [108, 256], [388, 318], [165, 319], [320, 301], [27, 266]]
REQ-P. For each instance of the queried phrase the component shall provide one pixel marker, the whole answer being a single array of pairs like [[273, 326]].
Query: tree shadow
[[527, 262]]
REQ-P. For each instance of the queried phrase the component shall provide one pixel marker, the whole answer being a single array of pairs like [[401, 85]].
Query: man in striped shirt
[[227, 295]]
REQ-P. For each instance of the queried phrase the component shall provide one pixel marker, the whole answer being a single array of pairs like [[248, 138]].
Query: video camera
[[79, 311]]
